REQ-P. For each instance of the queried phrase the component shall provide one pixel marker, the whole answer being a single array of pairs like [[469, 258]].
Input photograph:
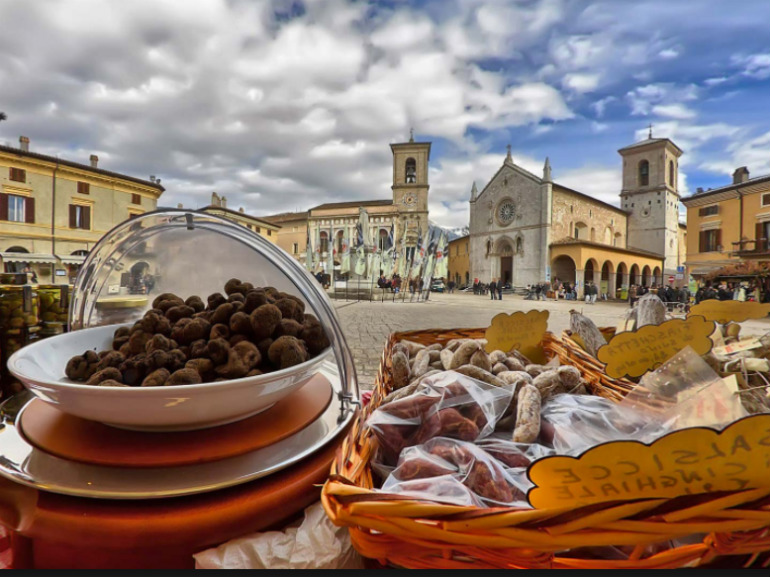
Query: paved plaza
[[368, 324]]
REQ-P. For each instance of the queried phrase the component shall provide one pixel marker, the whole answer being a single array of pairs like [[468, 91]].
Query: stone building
[[53, 211], [406, 210], [218, 207], [526, 229]]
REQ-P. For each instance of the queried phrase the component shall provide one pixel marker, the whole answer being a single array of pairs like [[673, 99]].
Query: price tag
[[685, 462], [726, 311], [634, 353], [520, 331]]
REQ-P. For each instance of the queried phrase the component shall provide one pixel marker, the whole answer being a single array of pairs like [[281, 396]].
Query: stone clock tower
[[410, 188]]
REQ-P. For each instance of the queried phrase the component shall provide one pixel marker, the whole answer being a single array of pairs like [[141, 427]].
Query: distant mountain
[[452, 233]]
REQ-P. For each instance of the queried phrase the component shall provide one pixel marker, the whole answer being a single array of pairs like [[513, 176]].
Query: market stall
[[510, 447], [161, 426]]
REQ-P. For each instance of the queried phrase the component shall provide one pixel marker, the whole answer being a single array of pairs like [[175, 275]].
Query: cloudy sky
[[282, 105]]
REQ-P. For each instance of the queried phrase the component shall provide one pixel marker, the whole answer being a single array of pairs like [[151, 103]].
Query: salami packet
[[481, 474], [449, 404]]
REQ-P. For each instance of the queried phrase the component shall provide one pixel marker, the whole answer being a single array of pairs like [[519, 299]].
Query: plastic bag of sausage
[[448, 405], [515, 458], [442, 459]]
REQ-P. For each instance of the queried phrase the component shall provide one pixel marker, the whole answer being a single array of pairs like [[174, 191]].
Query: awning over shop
[[28, 257], [72, 259]]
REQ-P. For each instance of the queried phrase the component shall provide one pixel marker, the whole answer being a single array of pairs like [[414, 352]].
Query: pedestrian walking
[[492, 289]]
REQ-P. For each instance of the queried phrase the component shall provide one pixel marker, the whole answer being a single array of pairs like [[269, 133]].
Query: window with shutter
[[87, 218], [3, 206], [18, 175], [709, 210], [16, 206], [710, 240], [136, 199], [80, 217], [73, 216], [84, 188]]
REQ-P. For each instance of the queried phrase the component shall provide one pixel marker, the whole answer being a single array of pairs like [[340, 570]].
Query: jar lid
[[194, 253]]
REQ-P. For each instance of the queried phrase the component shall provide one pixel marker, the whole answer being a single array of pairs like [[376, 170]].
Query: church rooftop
[[647, 142], [353, 204]]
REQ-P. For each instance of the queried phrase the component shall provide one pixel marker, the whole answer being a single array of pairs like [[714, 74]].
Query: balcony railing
[[751, 248]]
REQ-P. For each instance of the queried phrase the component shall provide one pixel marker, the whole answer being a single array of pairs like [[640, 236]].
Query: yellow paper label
[[726, 311], [685, 462], [520, 331], [634, 353]]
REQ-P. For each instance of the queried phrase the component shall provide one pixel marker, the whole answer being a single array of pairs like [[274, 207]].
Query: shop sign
[[686, 462], [520, 331], [726, 311], [634, 353]]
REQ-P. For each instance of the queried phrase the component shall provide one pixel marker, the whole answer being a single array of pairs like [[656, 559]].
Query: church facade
[[526, 229]]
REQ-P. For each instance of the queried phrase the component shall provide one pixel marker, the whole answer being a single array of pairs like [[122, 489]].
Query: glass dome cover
[[194, 253]]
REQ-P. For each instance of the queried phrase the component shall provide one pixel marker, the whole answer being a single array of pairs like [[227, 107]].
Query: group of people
[[538, 291], [393, 284], [396, 283], [668, 293], [745, 291], [496, 289]]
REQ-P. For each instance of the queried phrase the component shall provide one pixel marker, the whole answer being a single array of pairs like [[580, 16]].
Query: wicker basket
[[592, 369], [422, 534]]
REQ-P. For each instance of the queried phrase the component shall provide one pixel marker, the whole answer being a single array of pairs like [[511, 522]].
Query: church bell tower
[[410, 187], [650, 195]]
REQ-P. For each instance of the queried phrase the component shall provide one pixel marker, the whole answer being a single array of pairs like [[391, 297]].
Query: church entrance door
[[506, 269]]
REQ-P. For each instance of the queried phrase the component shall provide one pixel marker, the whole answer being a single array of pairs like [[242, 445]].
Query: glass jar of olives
[[19, 308], [54, 305]]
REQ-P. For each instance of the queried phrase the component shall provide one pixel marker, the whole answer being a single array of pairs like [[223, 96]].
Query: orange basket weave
[[722, 529], [592, 369]]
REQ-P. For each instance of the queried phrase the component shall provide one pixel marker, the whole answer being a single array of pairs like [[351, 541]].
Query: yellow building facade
[[729, 224], [53, 211], [459, 252], [292, 236]]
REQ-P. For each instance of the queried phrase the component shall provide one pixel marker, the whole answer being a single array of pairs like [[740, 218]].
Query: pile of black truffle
[[249, 332]]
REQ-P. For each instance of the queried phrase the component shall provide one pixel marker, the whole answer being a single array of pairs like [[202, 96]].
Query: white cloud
[[597, 127], [581, 83], [715, 81], [690, 137], [601, 105], [668, 54], [754, 65], [678, 111], [643, 98]]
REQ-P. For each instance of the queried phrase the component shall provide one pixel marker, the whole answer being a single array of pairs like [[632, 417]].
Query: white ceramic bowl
[[40, 367]]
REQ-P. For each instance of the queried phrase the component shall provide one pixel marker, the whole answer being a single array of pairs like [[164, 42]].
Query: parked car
[[437, 286]]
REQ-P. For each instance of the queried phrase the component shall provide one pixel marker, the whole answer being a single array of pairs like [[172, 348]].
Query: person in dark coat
[[492, 289]]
